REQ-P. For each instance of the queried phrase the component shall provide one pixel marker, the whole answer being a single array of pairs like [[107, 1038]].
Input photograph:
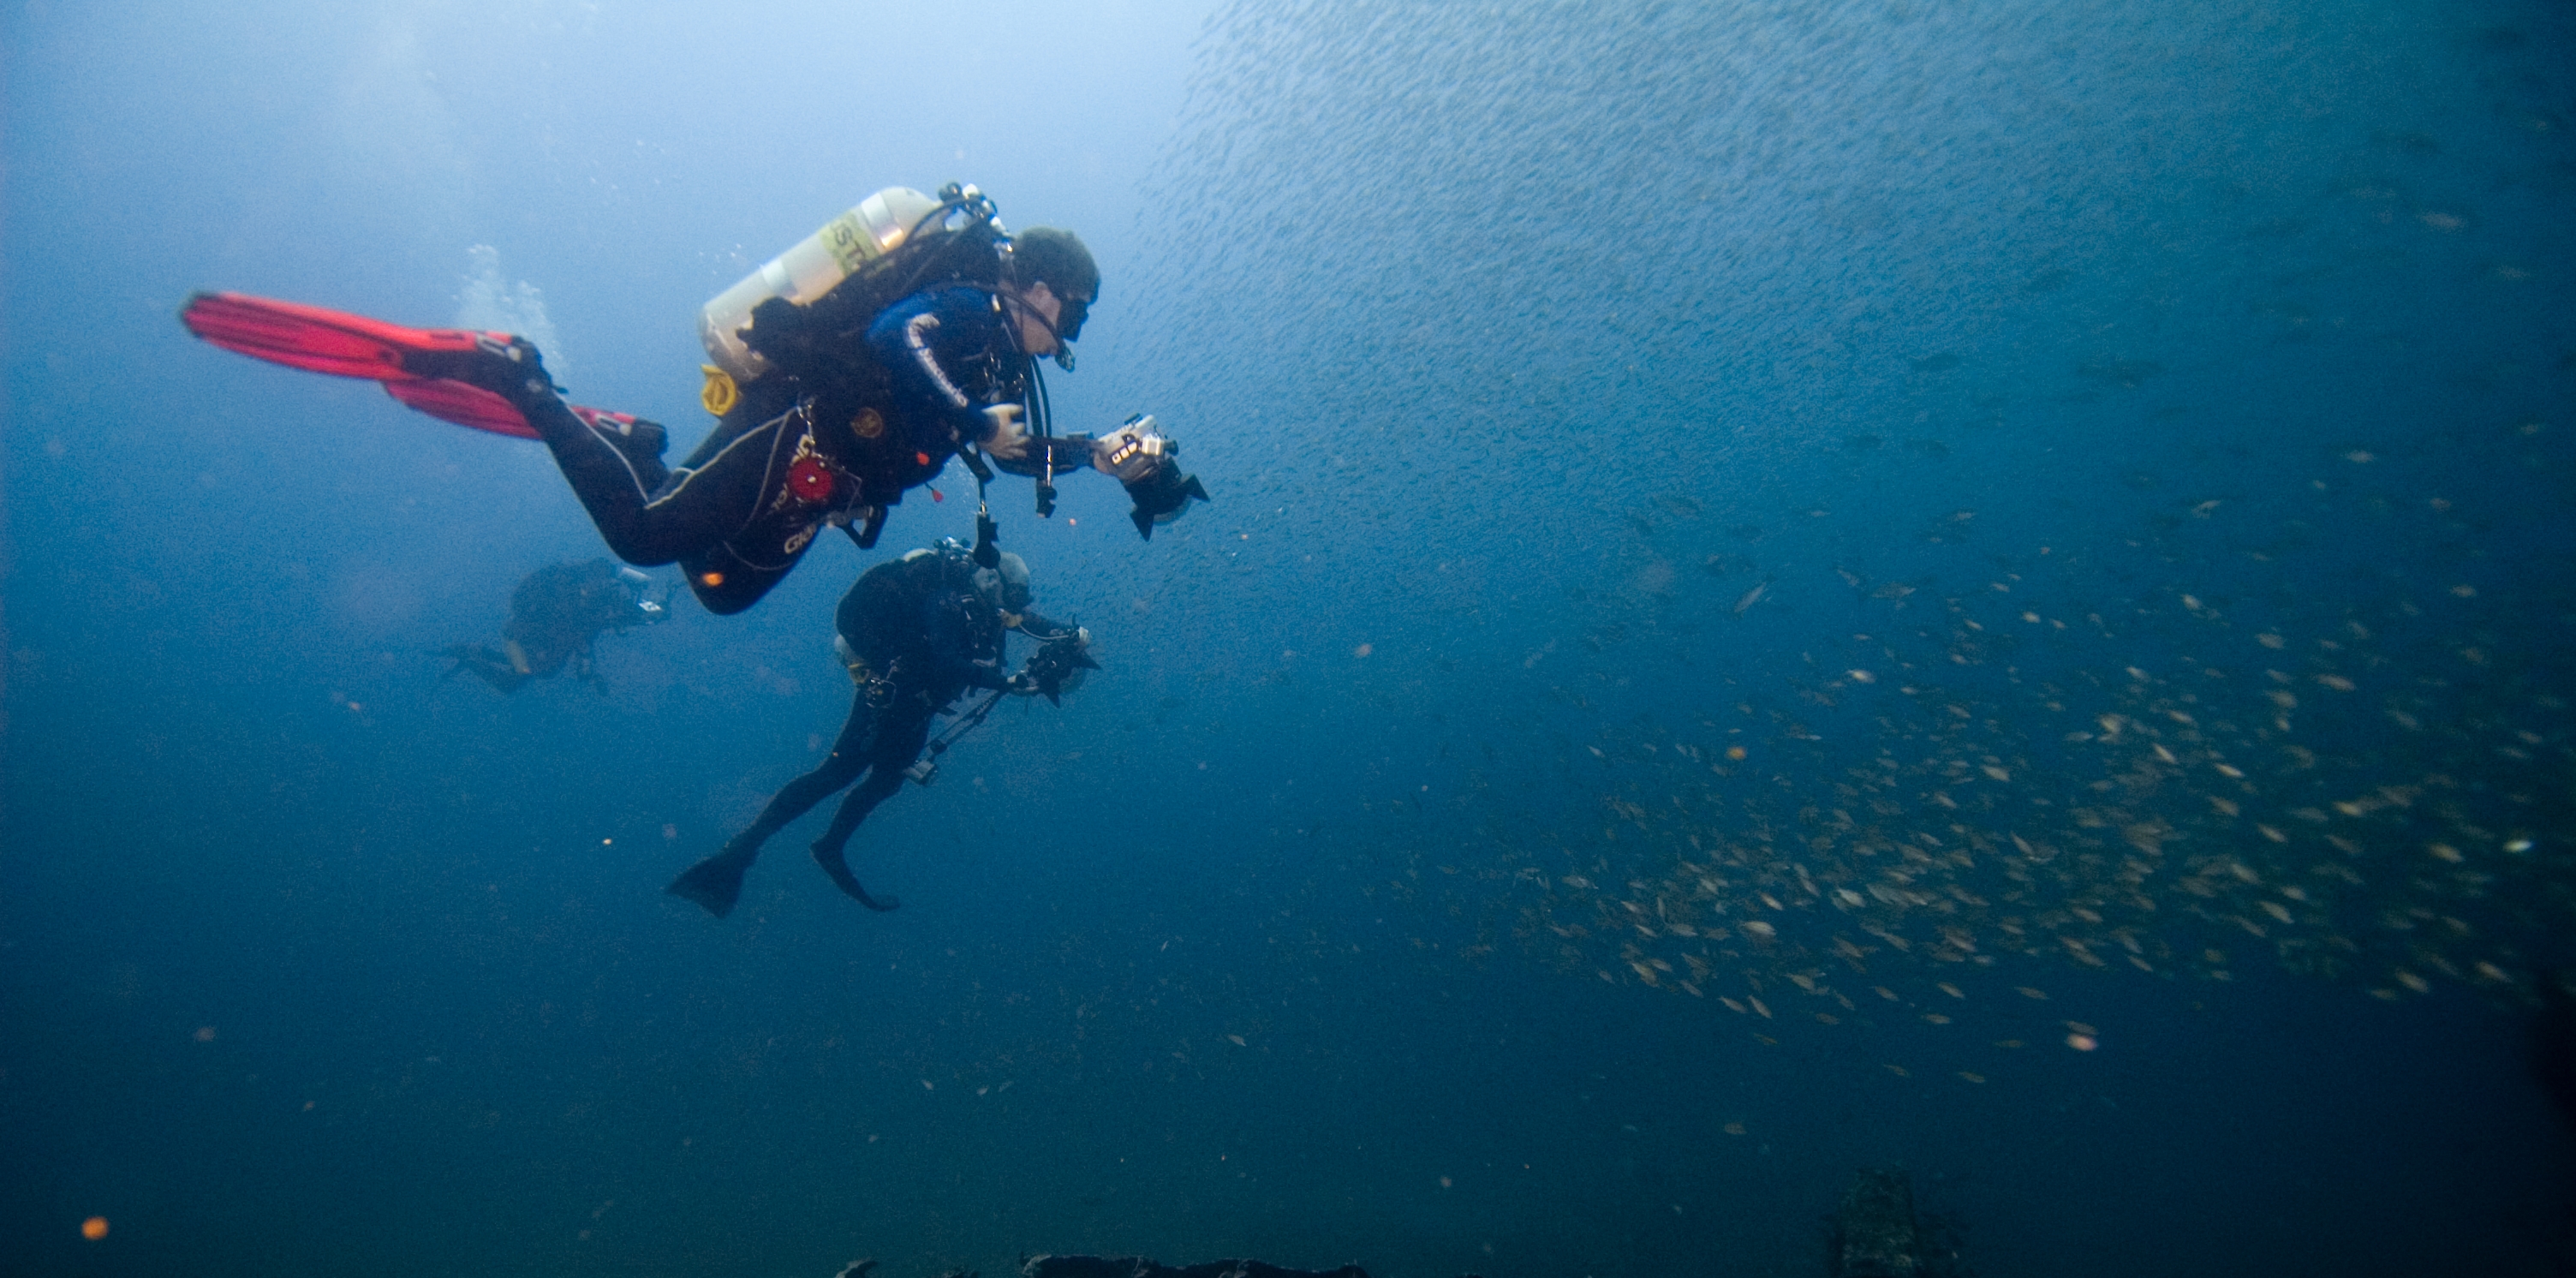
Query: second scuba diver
[[916, 633], [847, 370], [556, 614]]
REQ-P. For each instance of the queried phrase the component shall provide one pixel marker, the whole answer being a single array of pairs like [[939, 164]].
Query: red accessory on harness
[[810, 480]]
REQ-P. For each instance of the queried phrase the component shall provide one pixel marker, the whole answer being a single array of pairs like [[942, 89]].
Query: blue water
[[1585, 391]]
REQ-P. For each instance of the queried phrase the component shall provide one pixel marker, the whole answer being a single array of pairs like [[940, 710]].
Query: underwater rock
[[1874, 1232], [1880, 1231], [1141, 1267]]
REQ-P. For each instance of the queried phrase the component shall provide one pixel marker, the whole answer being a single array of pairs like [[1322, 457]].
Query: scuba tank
[[878, 226]]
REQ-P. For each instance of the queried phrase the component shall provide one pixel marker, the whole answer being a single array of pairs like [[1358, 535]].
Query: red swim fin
[[344, 345], [314, 339], [453, 401]]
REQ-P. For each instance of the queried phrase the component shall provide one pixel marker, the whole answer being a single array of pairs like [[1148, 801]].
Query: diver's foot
[[639, 441], [716, 882], [835, 865], [512, 370], [643, 440]]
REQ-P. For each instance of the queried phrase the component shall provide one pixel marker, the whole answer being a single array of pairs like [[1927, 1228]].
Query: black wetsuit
[[556, 615], [834, 433], [917, 635]]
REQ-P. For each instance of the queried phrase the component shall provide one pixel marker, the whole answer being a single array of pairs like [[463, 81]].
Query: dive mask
[[1068, 322]]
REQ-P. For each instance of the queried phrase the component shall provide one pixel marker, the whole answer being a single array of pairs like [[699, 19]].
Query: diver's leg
[[755, 552], [726, 580], [547, 660], [488, 665], [651, 518], [716, 882], [880, 785], [648, 515], [894, 749]]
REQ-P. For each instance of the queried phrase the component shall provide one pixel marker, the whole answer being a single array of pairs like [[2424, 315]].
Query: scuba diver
[[916, 634], [847, 370], [556, 614]]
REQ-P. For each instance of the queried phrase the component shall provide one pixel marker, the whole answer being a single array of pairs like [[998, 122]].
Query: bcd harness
[[821, 346]]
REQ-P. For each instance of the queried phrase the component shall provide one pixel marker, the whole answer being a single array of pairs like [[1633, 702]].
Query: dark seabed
[[1981, 587]]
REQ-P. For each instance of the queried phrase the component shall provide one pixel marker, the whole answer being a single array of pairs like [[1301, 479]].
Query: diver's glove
[[1147, 463], [1056, 667], [782, 333], [1004, 436]]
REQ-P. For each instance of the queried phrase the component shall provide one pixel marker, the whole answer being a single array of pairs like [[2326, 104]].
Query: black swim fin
[[835, 864], [715, 883]]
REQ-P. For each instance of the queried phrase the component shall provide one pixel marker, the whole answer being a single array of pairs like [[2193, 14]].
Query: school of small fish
[[2298, 798]]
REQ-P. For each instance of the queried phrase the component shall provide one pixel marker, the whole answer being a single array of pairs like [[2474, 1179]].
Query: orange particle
[[2082, 1042], [710, 580], [1736, 753], [94, 1228]]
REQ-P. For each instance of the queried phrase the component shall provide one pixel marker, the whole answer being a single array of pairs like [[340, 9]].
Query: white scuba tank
[[878, 226]]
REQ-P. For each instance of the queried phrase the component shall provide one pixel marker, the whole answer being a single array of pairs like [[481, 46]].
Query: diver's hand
[[781, 332], [1007, 440], [1022, 685]]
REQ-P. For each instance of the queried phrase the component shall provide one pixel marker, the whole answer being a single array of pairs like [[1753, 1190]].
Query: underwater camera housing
[[1147, 464], [651, 605], [1057, 666]]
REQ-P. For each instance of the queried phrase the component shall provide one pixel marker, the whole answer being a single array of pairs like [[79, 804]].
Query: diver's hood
[[1006, 586]]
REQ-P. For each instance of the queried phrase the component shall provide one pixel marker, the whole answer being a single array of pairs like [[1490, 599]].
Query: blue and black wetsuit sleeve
[[940, 346]]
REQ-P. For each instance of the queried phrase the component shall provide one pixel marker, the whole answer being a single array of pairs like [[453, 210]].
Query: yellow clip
[[719, 394]]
